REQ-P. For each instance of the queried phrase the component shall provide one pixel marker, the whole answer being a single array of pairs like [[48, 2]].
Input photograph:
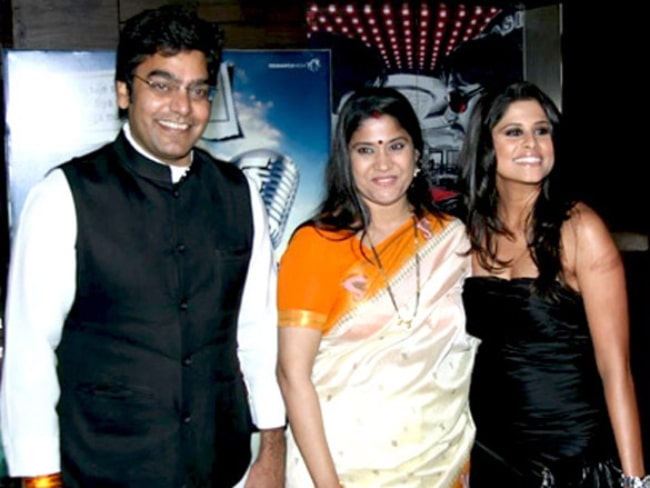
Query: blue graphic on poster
[[281, 103]]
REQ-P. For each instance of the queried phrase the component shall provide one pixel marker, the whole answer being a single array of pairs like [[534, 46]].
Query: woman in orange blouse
[[374, 360]]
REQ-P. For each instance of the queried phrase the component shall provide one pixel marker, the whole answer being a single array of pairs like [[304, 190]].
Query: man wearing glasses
[[140, 320]]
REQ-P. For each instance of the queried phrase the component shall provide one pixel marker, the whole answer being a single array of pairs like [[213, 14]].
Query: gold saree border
[[301, 318]]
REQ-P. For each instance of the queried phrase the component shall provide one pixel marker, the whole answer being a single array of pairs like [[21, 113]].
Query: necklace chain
[[416, 242]]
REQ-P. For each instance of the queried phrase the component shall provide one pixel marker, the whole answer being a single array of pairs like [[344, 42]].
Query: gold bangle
[[47, 481]]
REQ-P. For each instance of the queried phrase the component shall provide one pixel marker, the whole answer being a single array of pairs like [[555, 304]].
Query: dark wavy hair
[[342, 207], [167, 30], [478, 179]]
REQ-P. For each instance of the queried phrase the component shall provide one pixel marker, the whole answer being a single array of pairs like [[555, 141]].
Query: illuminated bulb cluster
[[409, 36]]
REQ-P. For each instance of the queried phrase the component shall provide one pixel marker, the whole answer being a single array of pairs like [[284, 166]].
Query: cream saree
[[394, 398]]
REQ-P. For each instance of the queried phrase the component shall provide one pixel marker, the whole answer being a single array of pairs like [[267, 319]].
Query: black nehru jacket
[[151, 389]]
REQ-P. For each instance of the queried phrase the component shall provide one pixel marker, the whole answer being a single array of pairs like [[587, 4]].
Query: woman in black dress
[[552, 393]]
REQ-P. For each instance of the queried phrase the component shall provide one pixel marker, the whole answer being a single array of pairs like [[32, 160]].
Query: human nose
[[530, 140], [382, 160], [180, 101]]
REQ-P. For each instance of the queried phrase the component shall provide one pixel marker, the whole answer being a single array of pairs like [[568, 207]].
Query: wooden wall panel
[[224, 11], [95, 24], [128, 8], [64, 24], [241, 36]]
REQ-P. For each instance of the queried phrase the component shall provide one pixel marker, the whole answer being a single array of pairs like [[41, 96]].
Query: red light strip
[[408, 35]]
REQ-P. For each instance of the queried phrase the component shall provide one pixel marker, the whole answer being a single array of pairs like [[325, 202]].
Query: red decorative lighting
[[434, 28]]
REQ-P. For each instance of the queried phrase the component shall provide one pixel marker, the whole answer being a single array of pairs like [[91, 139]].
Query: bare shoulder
[[586, 240], [585, 215], [587, 226]]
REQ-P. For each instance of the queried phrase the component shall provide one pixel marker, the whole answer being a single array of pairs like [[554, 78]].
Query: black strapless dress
[[536, 395]]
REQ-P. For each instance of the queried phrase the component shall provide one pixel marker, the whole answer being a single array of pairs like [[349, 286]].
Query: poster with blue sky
[[271, 117], [282, 106]]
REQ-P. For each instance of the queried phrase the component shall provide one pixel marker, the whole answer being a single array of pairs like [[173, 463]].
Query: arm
[[268, 469], [257, 338], [306, 293], [298, 348], [601, 281], [41, 287]]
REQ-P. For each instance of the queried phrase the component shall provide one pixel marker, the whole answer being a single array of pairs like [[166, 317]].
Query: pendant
[[400, 321], [407, 323]]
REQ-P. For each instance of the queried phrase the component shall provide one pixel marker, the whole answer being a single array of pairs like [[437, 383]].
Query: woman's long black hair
[[478, 166]]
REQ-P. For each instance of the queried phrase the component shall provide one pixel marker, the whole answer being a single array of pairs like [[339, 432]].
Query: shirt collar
[[177, 172]]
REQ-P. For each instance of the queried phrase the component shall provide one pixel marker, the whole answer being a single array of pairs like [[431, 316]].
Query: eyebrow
[[383, 142], [520, 124], [169, 76]]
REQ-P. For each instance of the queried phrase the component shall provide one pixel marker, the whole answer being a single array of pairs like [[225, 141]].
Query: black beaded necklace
[[416, 242]]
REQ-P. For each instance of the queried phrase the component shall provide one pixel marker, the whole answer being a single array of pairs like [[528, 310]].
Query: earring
[[416, 172]]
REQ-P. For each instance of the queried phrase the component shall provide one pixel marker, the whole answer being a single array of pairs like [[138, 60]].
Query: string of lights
[[409, 36]]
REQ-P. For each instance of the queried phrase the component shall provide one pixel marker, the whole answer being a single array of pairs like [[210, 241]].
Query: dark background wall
[[603, 107], [602, 104]]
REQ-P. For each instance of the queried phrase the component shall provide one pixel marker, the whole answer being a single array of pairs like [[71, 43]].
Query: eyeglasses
[[165, 87], [458, 100]]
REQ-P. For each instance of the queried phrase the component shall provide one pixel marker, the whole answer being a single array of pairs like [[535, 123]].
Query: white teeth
[[174, 125], [528, 160]]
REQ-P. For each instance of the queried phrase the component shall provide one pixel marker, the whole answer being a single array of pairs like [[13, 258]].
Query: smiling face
[[383, 161], [167, 125], [523, 145]]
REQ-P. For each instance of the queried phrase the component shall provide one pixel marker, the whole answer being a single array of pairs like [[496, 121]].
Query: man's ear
[[123, 96]]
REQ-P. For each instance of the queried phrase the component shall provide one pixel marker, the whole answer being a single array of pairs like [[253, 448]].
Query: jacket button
[[187, 361], [183, 306]]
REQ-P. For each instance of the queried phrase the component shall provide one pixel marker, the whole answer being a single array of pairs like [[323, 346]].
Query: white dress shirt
[[40, 292]]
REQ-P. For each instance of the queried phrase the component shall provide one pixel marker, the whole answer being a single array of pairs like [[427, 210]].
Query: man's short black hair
[[167, 30]]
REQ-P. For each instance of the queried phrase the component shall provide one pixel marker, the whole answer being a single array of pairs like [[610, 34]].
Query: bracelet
[[635, 481], [47, 481]]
